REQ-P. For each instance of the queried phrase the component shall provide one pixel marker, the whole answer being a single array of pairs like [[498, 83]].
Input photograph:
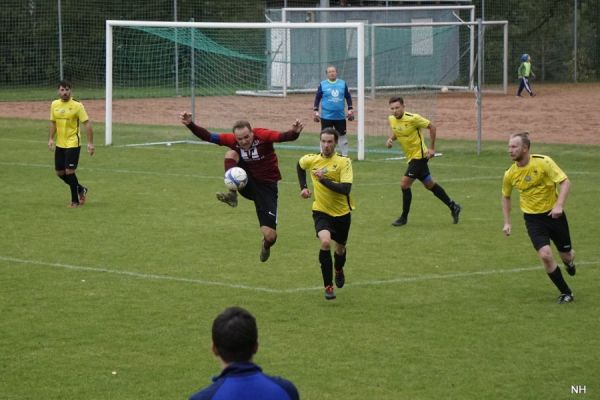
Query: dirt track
[[566, 113]]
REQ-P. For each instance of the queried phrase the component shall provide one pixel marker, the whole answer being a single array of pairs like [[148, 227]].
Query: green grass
[[131, 281]]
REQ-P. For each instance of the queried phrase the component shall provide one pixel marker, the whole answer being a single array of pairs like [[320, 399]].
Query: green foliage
[[131, 281]]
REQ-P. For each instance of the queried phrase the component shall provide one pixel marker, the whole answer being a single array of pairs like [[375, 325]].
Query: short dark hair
[[241, 124], [235, 335], [330, 130], [396, 99], [64, 83], [524, 138]]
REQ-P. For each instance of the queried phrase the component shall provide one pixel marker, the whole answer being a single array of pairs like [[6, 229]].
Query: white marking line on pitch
[[419, 278]]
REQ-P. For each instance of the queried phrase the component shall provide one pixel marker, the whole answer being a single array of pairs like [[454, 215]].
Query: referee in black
[[537, 178]]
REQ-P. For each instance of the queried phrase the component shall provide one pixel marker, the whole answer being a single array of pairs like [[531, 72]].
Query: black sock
[[406, 200], [73, 185], [440, 193], [326, 267], [559, 281], [64, 178], [340, 260]]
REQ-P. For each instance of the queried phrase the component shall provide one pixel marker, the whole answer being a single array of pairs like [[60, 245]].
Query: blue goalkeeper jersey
[[332, 95], [245, 380]]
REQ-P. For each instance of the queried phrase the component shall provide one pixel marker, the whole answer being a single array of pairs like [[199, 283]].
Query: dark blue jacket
[[245, 380]]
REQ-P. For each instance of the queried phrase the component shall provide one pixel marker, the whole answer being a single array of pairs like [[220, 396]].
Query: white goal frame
[[360, 35]]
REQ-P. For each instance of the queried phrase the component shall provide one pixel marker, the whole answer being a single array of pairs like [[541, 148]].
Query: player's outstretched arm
[[186, 119], [293, 133]]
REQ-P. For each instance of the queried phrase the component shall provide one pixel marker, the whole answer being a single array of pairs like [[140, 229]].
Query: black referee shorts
[[339, 227], [542, 228], [418, 169], [264, 196], [66, 158]]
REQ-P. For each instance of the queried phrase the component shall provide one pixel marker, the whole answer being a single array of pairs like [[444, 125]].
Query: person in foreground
[[252, 149], [64, 138], [332, 177], [234, 343], [543, 189], [407, 129]]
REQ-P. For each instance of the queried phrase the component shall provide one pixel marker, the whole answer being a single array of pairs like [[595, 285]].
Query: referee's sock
[[440, 193], [71, 179], [326, 267], [559, 281]]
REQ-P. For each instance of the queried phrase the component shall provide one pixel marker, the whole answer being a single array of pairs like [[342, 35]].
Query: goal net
[[268, 73], [263, 72]]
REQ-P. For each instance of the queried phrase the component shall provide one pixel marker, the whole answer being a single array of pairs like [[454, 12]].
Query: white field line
[[408, 279]]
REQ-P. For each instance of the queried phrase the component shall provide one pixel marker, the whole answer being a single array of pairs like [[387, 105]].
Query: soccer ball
[[236, 178]]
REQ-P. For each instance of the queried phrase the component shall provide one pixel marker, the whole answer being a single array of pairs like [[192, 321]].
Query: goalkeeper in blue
[[333, 95]]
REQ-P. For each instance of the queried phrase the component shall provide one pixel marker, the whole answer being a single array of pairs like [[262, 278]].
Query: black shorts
[[66, 158], [418, 169], [542, 228], [264, 196], [338, 124], [339, 227]]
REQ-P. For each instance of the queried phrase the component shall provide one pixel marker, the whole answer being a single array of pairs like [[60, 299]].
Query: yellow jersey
[[67, 115], [337, 169], [409, 133], [537, 183]]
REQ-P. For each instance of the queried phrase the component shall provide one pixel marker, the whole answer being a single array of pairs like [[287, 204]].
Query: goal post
[[271, 58]]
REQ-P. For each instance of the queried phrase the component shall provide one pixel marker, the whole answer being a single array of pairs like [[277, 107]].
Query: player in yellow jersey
[[543, 189], [407, 129], [64, 139], [331, 176]]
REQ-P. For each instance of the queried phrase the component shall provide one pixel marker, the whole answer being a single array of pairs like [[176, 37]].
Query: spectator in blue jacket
[[332, 94], [235, 341]]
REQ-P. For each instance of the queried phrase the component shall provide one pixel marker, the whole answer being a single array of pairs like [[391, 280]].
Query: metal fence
[[44, 40]]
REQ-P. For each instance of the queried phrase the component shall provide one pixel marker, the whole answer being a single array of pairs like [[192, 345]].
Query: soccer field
[[115, 300]]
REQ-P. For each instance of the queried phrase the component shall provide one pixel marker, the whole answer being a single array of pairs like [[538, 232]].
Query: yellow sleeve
[[421, 122], [554, 172], [82, 114], [305, 161]]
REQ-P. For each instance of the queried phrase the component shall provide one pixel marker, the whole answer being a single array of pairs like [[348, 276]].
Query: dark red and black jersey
[[260, 160]]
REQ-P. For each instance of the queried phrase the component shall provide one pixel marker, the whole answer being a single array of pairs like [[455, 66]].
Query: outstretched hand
[[185, 117], [297, 126]]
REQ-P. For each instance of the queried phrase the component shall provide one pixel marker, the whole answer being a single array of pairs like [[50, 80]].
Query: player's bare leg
[[231, 160], [269, 239]]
